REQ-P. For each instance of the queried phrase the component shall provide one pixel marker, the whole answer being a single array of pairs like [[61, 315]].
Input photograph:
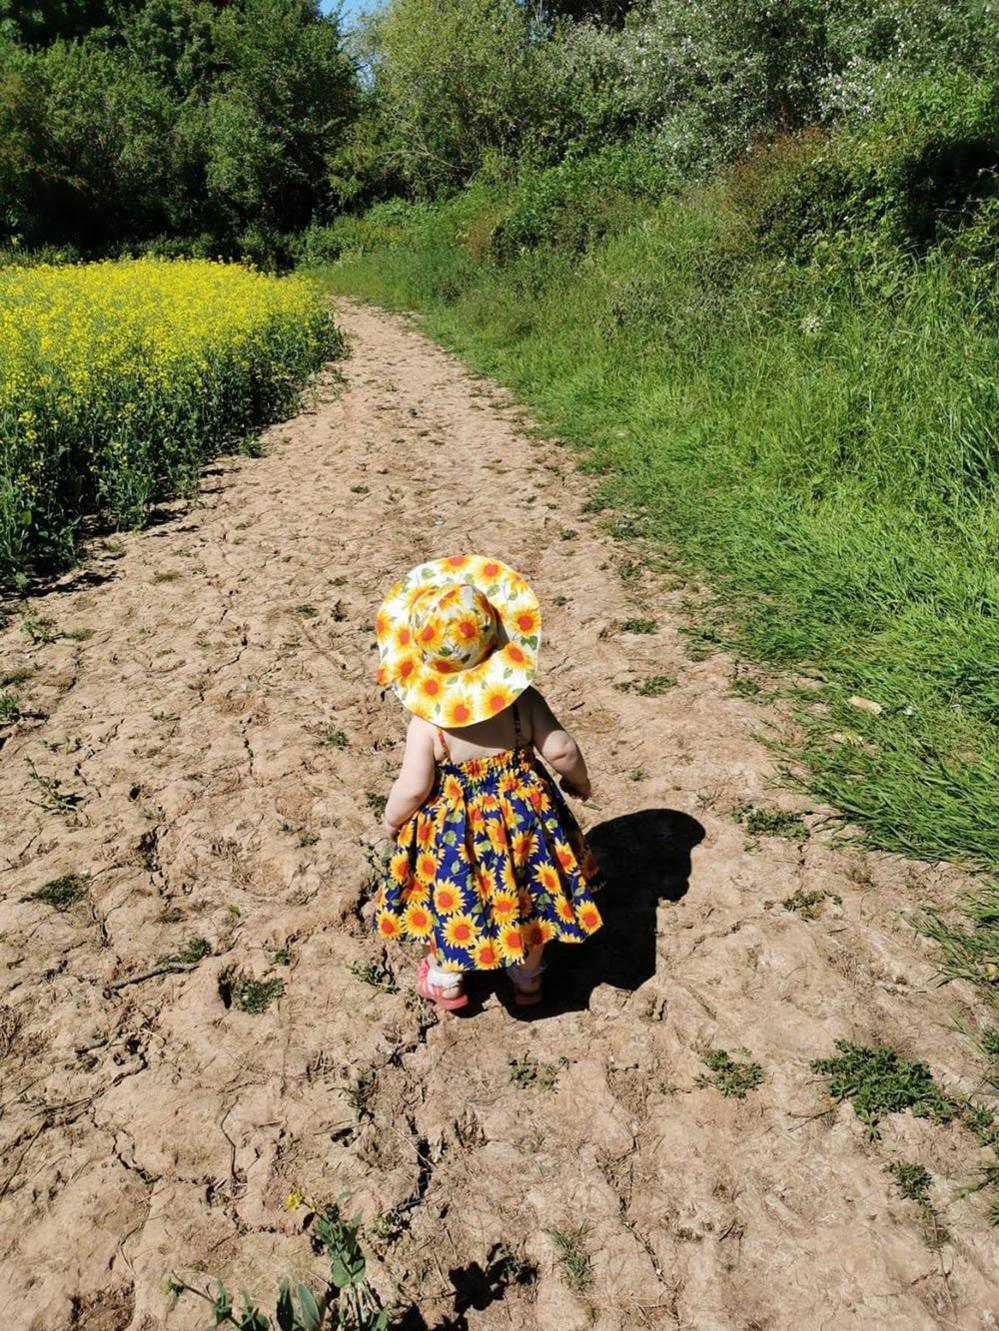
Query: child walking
[[489, 865]]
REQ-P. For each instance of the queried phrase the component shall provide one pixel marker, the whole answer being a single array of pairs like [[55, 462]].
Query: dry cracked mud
[[206, 756]]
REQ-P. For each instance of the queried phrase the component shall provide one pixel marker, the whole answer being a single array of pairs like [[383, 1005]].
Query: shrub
[[572, 205], [923, 169]]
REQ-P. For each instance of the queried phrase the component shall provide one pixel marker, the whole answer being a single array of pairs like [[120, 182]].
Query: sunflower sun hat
[[458, 639]]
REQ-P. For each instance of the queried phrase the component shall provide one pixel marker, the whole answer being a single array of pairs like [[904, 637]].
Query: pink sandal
[[434, 993]]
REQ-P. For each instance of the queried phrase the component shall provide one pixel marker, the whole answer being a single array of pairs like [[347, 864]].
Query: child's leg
[[443, 987], [526, 975], [451, 983]]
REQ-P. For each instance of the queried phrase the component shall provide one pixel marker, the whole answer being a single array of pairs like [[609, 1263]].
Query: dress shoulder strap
[[516, 724], [443, 740]]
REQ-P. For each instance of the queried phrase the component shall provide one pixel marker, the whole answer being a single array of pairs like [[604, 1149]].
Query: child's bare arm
[[558, 747], [416, 776]]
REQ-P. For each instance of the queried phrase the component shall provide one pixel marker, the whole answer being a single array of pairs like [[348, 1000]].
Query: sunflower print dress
[[490, 866]]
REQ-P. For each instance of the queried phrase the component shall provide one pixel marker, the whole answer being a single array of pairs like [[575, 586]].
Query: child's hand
[[390, 831], [579, 792]]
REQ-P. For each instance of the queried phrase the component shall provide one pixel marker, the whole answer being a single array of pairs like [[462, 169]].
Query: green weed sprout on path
[[730, 1075], [880, 1081], [347, 1304]]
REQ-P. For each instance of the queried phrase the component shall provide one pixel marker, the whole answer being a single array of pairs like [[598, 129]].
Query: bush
[[925, 167], [572, 205]]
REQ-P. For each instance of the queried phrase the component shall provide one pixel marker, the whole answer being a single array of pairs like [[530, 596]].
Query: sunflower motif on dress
[[492, 865]]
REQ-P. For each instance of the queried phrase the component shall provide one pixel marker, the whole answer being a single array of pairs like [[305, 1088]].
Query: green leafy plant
[[347, 1304], [528, 1073], [878, 1081], [249, 995], [637, 626], [331, 738], [53, 798], [60, 893], [913, 1183], [734, 1078], [10, 706]]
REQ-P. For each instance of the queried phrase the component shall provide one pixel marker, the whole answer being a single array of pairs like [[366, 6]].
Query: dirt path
[[221, 732]]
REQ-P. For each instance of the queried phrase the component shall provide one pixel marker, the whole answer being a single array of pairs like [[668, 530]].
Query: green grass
[[60, 893], [817, 438], [573, 1259]]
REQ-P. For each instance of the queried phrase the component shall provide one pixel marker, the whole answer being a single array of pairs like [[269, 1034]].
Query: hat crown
[[454, 627]]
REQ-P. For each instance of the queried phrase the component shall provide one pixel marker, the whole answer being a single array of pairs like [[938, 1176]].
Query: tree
[[456, 85]]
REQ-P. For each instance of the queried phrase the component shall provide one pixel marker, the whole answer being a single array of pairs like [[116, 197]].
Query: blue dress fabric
[[490, 866]]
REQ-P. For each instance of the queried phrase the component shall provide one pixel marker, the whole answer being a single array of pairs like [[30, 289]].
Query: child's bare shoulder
[[420, 731]]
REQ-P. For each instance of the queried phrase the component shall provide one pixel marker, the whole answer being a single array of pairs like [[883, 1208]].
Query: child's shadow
[[645, 858]]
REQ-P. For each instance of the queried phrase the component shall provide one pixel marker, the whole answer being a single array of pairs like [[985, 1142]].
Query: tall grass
[[817, 431]]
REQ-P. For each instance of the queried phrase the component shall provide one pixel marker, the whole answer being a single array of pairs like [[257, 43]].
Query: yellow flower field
[[118, 378]]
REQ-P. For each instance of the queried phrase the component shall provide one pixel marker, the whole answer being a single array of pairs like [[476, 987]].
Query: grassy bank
[[789, 377]]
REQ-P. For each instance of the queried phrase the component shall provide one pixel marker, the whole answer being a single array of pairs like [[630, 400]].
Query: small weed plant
[[249, 995], [575, 1262], [194, 950], [375, 973], [652, 687], [528, 1073], [808, 904], [912, 1182], [733, 1077], [375, 802], [60, 893], [52, 797], [770, 822], [347, 1304], [879, 1081], [40, 630]]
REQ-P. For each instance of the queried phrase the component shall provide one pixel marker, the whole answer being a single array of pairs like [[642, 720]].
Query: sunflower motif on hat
[[458, 639]]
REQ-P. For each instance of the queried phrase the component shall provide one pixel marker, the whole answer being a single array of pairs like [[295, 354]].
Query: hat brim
[[454, 699]]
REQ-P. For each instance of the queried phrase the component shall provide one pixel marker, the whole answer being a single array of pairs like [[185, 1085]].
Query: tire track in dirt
[[224, 737]]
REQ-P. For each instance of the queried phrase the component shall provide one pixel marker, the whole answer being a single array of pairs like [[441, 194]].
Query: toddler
[[489, 865]]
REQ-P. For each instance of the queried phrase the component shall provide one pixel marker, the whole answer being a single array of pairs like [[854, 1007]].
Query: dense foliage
[[789, 375], [467, 87], [189, 119], [117, 379]]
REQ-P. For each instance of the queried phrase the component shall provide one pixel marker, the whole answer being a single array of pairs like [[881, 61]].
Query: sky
[[351, 8]]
